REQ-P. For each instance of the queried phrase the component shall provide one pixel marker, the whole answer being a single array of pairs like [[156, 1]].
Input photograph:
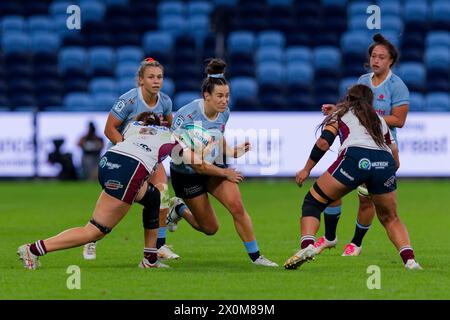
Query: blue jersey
[[391, 93], [130, 104], [194, 113]]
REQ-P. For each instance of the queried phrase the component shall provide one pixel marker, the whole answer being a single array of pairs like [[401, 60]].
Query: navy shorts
[[121, 176], [375, 168], [188, 186]]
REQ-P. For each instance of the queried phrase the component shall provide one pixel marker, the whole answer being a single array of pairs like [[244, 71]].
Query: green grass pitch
[[217, 267]]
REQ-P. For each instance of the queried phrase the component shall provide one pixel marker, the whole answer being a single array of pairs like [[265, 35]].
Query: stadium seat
[[198, 27], [269, 54], [279, 2], [77, 101], [129, 54], [345, 84], [357, 22], [389, 8], [357, 8], [159, 45], [171, 8], [92, 11], [127, 70], [438, 39], [184, 97], [391, 24], [298, 54], [299, 76], [103, 101], [173, 24], [271, 77], [168, 87], [101, 61], [414, 75], [327, 61], [199, 8], [59, 8], [241, 41], [44, 41], [103, 84], [440, 15], [437, 59], [109, 3], [125, 84], [15, 41], [40, 23], [46, 100], [21, 100], [72, 58], [13, 23], [416, 101], [271, 39], [244, 93], [437, 102]]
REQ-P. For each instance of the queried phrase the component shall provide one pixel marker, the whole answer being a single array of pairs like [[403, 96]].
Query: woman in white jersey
[[192, 184], [124, 174], [147, 96], [391, 100], [369, 155]]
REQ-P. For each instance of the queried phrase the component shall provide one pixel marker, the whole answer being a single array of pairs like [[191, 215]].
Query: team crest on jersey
[[103, 162], [119, 105], [179, 121], [148, 131], [381, 97], [364, 164]]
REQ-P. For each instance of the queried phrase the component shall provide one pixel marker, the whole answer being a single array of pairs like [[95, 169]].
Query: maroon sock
[[306, 241], [406, 253], [38, 248], [151, 255]]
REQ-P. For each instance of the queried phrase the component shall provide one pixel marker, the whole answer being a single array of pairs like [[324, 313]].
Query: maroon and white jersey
[[353, 134], [149, 145]]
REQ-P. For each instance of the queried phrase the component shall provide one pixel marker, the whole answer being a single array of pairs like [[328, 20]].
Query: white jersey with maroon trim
[[353, 134], [149, 145]]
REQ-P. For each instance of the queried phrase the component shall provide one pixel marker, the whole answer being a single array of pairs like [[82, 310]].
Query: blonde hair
[[148, 62]]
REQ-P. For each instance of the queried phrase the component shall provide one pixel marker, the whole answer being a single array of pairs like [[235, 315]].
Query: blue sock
[[360, 232], [331, 217], [179, 209], [252, 249], [161, 237]]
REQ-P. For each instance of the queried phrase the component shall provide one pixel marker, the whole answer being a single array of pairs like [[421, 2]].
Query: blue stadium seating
[[440, 15], [269, 54], [72, 57], [15, 41], [44, 41], [199, 8], [103, 84], [271, 38], [125, 84], [270, 77], [345, 84], [77, 101], [438, 39], [103, 101], [279, 2], [438, 102], [173, 24], [12, 23], [168, 87], [244, 93], [129, 54], [414, 75], [198, 27], [299, 54], [241, 41], [184, 97], [101, 61], [416, 101], [171, 8], [92, 11], [159, 45], [41, 23], [59, 8], [127, 69]]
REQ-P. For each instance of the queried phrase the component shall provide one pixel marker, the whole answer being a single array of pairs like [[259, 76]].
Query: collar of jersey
[[387, 78], [141, 97]]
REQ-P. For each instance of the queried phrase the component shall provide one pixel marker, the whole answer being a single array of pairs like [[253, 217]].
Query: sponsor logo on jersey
[[345, 174], [389, 182], [112, 166], [113, 185], [178, 121], [380, 164], [144, 147], [364, 164], [119, 105], [103, 162]]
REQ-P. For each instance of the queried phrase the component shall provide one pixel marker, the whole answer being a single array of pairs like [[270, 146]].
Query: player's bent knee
[[151, 202], [312, 207], [236, 208], [210, 230]]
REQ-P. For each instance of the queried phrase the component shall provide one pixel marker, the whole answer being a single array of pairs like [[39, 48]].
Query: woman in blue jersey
[[391, 101], [192, 183], [367, 154], [147, 96], [124, 172]]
